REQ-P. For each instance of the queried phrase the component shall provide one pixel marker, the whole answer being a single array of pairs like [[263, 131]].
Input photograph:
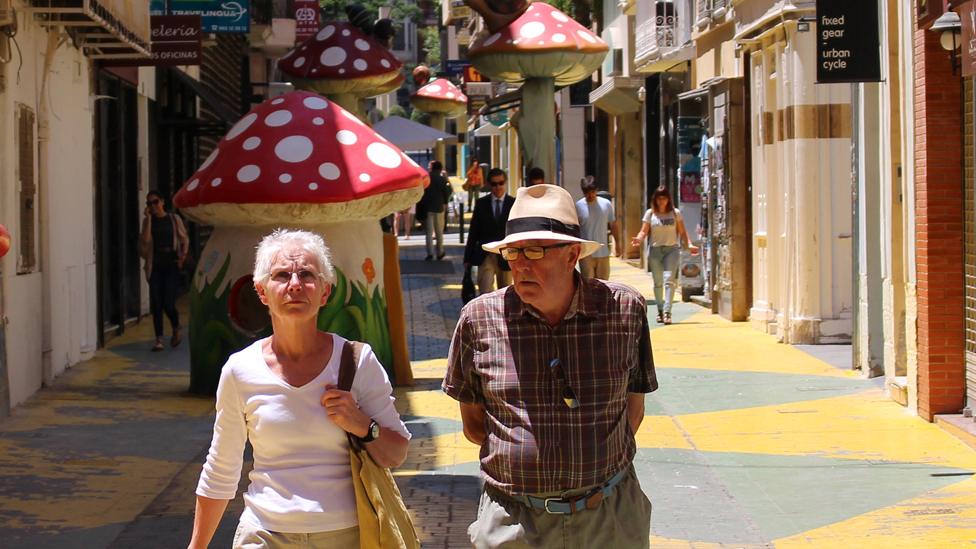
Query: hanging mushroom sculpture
[[441, 99], [344, 64], [540, 47], [299, 161]]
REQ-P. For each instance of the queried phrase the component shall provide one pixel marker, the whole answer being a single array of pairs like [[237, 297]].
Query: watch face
[[374, 430]]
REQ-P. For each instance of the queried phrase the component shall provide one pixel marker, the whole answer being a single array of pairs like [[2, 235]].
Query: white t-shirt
[[594, 218], [301, 481], [664, 227]]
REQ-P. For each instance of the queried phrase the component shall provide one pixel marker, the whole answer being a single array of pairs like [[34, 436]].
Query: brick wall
[[939, 229]]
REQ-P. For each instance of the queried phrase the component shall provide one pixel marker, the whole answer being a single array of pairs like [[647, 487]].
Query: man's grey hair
[[312, 243]]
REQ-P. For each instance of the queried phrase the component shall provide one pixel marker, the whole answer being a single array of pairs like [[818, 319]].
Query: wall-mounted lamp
[[949, 27], [803, 24]]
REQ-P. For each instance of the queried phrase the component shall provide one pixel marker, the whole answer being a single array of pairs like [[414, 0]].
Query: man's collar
[[585, 302]]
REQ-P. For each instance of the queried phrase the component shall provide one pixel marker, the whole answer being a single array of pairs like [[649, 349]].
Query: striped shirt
[[500, 358]]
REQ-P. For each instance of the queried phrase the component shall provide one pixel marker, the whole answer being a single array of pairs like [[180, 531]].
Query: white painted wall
[[50, 314]]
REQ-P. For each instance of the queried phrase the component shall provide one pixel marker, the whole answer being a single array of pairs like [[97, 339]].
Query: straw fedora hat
[[543, 212]]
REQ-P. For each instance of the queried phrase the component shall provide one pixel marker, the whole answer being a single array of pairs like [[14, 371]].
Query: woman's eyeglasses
[[569, 397], [305, 277], [530, 252]]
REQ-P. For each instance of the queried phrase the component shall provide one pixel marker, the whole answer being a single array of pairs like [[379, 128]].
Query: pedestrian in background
[[664, 224], [488, 225], [473, 181], [550, 375], [596, 215], [536, 176], [164, 245], [280, 394], [436, 196]]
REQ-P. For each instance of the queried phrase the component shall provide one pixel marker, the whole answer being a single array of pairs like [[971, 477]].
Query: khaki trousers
[[252, 537], [622, 521], [490, 272], [595, 267]]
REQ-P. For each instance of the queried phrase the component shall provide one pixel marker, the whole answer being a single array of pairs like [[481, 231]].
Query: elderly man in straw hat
[[551, 374]]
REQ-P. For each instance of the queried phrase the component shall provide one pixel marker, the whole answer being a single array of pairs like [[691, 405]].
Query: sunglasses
[[569, 397], [530, 252], [496, 183], [152, 202]]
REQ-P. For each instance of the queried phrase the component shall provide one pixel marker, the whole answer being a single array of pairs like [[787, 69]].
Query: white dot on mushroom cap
[[325, 33], [346, 32], [313, 186], [362, 45], [278, 118], [251, 143], [346, 137], [352, 117], [216, 182], [329, 171], [193, 185], [242, 125], [492, 39], [383, 155], [278, 101], [333, 56], [433, 88], [385, 63], [206, 163], [585, 35], [248, 173], [285, 178], [532, 29], [342, 71], [364, 177], [559, 38], [315, 103], [360, 64], [299, 62], [410, 160], [318, 121], [294, 148], [559, 16], [449, 95]]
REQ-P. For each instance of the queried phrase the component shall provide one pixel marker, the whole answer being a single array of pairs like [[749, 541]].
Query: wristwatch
[[372, 433]]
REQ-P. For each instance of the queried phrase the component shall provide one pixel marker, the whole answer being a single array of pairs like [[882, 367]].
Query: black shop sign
[[848, 42]]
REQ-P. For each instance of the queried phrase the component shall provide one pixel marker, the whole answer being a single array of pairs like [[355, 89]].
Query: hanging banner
[[848, 41], [967, 13], [224, 16], [306, 19]]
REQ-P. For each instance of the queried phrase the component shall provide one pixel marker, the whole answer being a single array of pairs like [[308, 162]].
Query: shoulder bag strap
[[351, 350]]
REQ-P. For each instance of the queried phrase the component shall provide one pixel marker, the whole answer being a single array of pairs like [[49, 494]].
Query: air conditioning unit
[[478, 89], [6, 13]]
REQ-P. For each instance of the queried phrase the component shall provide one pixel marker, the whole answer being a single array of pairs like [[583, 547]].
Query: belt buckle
[[547, 501]]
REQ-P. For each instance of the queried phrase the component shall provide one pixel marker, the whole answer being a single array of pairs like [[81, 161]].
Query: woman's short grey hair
[[312, 243]]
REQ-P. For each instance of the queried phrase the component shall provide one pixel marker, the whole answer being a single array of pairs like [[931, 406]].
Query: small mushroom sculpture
[[540, 47], [298, 161], [441, 99], [344, 64]]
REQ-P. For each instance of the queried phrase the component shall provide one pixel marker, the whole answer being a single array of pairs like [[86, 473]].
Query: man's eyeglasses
[[152, 202], [496, 183], [569, 397], [530, 252], [305, 277]]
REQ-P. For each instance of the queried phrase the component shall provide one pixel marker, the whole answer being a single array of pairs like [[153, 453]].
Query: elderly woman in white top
[[280, 394]]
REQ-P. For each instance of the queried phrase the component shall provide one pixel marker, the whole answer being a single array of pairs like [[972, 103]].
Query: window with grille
[[27, 189]]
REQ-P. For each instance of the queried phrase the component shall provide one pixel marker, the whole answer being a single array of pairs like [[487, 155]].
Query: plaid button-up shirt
[[500, 358]]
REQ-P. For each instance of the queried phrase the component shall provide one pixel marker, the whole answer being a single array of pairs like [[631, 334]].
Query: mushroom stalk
[[438, 122], [348, 101], [538, 125]]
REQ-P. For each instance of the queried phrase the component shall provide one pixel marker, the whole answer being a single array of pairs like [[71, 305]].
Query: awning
[[105, 29], [618, 95], [211, 101], [488, 130], [409, 135], [502, 102]]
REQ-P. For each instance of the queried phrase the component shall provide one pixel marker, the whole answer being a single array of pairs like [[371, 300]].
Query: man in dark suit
[[488, 225]]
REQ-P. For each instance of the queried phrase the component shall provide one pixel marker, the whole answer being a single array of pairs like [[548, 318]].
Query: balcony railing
[[709, 10], [662, 25]]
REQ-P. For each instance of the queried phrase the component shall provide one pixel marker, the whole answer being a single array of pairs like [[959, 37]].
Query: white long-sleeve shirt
[[301, 480]]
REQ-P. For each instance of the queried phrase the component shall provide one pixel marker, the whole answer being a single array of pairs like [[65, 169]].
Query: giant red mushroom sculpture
[[344, 64], [441, 100], [542, 47], [299, 161]]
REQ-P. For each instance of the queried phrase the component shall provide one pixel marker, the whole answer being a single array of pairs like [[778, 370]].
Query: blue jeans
[[664, 268]]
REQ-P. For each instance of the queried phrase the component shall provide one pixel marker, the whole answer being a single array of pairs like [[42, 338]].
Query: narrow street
[[748, 443]]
